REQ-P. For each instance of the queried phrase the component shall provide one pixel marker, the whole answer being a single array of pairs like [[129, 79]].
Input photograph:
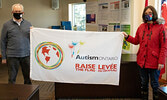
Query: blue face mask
[[149, 17]]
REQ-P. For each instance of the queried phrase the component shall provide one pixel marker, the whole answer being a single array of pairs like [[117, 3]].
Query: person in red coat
[[150, 36]]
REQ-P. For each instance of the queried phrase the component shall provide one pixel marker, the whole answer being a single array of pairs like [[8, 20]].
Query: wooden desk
[[19, 92], [129, 86], [162, 93]]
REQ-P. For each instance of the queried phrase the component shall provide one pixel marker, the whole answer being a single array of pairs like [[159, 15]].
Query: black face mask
[[17, 15]]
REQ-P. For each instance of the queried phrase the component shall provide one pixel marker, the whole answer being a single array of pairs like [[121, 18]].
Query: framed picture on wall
[[0, 3]]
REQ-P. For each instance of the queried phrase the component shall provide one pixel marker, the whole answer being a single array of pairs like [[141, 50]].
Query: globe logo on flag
[[49, 55]]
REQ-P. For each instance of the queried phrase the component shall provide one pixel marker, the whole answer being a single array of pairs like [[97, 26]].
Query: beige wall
[[38, 12], [136, 19]]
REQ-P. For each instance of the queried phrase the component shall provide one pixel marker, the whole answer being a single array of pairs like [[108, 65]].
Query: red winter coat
[[151, 38]]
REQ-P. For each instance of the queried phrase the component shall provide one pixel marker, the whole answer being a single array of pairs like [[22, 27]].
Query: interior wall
[[138, 6], [38, 12]]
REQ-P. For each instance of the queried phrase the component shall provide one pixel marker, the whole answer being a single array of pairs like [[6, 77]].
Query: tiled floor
[[46, 89]]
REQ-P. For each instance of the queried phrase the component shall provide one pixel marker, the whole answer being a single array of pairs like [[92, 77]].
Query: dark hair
[[155, 15]]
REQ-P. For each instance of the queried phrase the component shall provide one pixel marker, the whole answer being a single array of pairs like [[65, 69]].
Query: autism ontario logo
[[49, 55], [75, 47]]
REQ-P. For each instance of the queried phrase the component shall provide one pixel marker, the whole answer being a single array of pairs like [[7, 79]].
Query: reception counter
[[129, 86]]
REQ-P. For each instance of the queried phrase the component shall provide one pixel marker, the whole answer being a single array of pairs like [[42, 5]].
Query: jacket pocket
[[155, 54]]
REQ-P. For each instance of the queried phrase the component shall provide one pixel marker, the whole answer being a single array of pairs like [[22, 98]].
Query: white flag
[[75, 57]]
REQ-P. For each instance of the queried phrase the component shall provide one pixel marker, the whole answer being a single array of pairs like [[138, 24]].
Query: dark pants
[[153, 74], [13, 67]]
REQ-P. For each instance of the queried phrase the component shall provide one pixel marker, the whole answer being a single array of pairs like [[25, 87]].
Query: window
[[77, 15]]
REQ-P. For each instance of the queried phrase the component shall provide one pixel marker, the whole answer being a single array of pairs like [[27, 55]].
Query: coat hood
[[160, 20]]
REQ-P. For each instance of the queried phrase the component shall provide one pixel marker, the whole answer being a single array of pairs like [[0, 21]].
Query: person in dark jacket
[[150, 36], [15, 45]]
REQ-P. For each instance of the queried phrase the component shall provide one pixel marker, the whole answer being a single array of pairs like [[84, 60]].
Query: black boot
[[155, 96], [144, 95]]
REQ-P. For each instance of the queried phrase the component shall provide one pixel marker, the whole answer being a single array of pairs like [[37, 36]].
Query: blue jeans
[[153, 74], [13, 67]]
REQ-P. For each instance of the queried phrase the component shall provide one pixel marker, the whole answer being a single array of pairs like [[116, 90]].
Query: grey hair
[[18, 4]]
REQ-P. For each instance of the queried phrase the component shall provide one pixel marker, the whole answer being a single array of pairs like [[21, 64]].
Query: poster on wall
[[103, 28], [126, 28], [114, 11], [91, 18], [103, 6], [125, 4], [103, 13], [114, 5], [114, 27], [125, 11], [91, 13]]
